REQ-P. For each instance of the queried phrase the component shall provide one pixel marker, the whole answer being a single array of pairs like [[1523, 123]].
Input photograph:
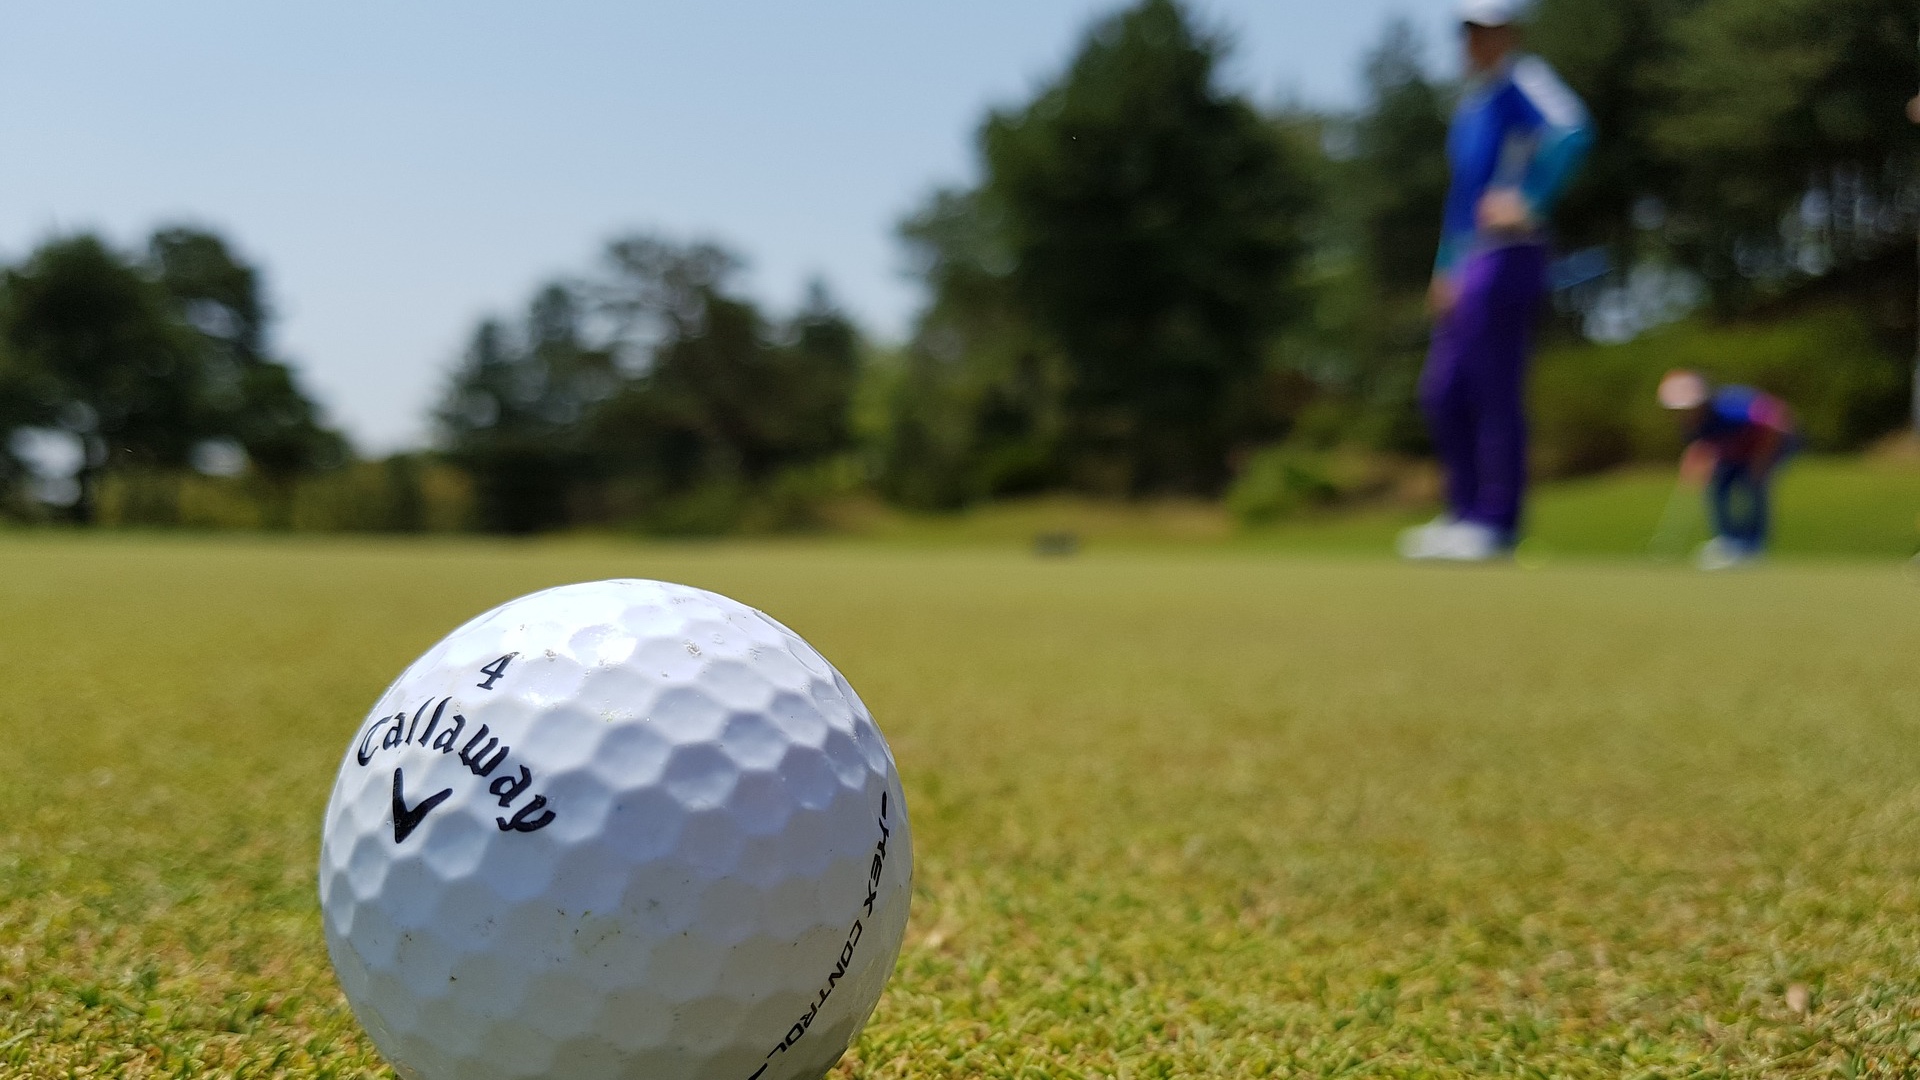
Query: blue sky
[[400, 169]]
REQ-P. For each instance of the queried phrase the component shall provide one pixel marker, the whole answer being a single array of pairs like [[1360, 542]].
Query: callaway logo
[[481, 752]]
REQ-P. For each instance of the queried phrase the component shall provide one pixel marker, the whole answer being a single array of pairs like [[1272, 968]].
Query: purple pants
[[1473, 388]]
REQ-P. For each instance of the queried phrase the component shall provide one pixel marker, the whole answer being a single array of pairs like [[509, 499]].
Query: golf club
[[1669, 540]]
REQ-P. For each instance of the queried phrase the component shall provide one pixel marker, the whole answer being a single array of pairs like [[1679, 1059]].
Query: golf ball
[[618, 829]]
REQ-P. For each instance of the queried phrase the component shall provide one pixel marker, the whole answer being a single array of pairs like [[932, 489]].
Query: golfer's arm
[[1554, 164], [1766, 448], [1566, 134]]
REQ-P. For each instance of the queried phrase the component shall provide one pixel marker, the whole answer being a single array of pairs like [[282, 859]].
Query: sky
[[400, 170]]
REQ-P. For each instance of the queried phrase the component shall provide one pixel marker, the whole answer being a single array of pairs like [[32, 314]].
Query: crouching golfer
[[1516, 139], [1736, 439]]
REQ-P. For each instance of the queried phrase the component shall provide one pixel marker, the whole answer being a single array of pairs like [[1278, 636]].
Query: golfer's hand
[[1696, 464], [1442, 294], [1504, 210], [1913, 109]]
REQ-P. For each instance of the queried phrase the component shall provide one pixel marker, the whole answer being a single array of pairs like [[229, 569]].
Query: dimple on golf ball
[[618, 829]]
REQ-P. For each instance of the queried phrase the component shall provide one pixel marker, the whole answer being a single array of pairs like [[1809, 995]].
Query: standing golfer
[[1516, 139], [1736, 439]]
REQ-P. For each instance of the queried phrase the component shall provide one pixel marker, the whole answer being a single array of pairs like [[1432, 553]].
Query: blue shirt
[[1517, 127], [1735, 419]]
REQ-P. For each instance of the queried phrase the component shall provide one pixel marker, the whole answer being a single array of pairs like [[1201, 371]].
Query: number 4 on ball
[[496, 669]]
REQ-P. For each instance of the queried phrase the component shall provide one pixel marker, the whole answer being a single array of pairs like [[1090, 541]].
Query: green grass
[[1848, 507], [1200, 813], [1825, 507]]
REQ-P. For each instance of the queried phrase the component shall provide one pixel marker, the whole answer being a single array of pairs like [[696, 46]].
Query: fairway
[[1212, 813]]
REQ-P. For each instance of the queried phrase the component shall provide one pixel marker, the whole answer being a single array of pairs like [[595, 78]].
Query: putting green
[[1178, 814]]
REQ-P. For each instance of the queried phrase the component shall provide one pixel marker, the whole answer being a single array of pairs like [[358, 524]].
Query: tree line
[[151, 361], [650, 391], [1156, 284]]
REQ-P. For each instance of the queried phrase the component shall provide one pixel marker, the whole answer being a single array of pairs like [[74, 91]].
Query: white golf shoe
[[1469, 541], [1721, 553], [1422, 541], [1448, 540]]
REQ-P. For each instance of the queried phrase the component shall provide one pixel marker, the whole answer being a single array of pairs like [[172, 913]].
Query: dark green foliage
[[94, 350], [679, 411], [1155, 223], [1720, 115], [1360, 349], [144, 362], [516, 414], [1103, 303], [725, 394], [1399, 180], [1400, 173], [403, 509], [974, 408], [251, 398], [1293, 480], [728, 404], [1768, 97]]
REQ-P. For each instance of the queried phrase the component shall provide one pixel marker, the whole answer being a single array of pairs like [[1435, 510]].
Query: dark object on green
[[1058, 545]]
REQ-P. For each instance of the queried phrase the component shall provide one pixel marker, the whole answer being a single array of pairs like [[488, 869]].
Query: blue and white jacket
[[1516, 127]]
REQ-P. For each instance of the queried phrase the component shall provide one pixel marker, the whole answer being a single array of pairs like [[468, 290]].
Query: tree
[[146, 361], [1837, 77], [649, 390], [975, 408], [819, 354], [727, 401], [1393, 188], [1155, 223], [516, 413], [1104, 307], [1400, 158], [94, 349], [250, 397]]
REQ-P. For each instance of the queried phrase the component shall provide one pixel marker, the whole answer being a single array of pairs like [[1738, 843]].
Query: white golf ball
[[619, 829]]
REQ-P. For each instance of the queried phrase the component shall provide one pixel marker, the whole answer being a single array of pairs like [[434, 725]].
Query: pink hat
[[1683, 390]]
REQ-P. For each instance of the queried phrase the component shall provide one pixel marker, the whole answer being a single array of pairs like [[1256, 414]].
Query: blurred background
[[753, 269]]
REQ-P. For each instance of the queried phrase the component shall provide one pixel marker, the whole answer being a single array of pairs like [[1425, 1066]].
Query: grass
[[1207, 812], [1849, 507]]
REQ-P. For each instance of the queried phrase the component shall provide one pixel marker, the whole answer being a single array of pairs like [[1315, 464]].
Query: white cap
[[1683, 389], [1490, 12]]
